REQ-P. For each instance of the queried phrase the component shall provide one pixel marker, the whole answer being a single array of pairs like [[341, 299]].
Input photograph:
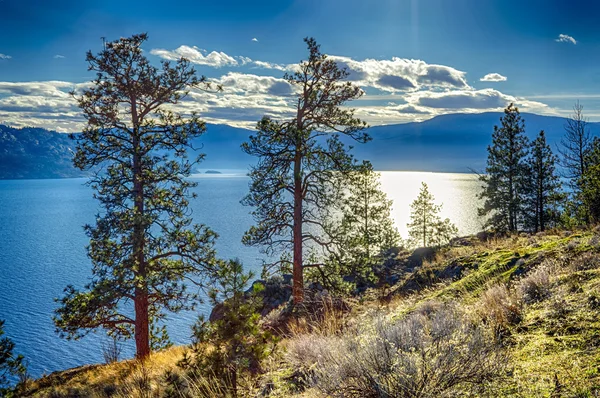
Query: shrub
[[499, 308], [227, 348], [585, 261], [429, 353], [535, 286]]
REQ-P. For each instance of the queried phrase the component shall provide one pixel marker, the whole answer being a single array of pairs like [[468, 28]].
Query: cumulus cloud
[[47, 89], [254, 39], [253, 84], [4, 56], [195, 55], [474, 100], [58, 56], [401, 74], [562, 38], [399, 90], [493, 77]]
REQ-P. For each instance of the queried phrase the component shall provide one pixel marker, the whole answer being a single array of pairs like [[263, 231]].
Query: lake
[[42, 249]]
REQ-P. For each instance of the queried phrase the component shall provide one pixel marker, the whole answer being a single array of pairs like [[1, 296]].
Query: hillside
[[448, 143], [35, 153], [500, 317]]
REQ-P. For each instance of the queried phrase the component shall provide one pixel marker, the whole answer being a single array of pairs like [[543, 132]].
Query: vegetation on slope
[[515, 316]]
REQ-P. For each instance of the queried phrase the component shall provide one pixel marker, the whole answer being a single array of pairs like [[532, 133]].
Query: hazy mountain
[[452, 143]]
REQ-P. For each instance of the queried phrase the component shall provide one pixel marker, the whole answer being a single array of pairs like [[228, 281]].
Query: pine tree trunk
[[142, 324], [298, 278]]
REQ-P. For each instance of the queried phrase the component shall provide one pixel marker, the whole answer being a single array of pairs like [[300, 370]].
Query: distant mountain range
[[448, 143]]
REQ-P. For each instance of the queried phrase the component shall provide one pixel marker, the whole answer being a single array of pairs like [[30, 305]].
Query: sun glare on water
[[456, 192]]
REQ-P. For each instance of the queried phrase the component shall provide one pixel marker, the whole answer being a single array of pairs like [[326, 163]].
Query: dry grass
[[500, 309], [128, 377]]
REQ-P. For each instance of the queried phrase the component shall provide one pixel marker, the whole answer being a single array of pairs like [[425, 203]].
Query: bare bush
[[499, 308], [535, 286], [434, 352], [585, 261], [111, 350]]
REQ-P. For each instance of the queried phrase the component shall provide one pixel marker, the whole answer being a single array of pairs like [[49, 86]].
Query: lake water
[[42, 249]]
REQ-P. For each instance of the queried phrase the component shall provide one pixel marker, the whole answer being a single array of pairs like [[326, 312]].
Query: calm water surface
[[42, 249]]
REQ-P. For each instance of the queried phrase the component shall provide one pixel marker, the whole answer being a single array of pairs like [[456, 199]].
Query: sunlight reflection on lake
[[457, 192]]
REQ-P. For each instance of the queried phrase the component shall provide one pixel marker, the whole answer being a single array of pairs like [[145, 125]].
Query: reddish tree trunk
[[298, 277], [142, 324]]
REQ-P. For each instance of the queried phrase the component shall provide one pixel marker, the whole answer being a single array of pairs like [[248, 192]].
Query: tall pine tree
[[590, 182], [573, 150], [506, 171], [143, 244], [297, 159], [543, 186]]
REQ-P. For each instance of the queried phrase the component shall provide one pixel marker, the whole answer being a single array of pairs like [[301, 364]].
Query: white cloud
[[4, 56], [493, 77], [562, 38], [58, 56], [474, 100], [254, 39], [401, 74], [195, 55]]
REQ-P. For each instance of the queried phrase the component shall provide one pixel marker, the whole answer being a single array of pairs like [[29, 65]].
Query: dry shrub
[[585, 261], [431, 352], [499, 308], [535, 286], [324, 315]]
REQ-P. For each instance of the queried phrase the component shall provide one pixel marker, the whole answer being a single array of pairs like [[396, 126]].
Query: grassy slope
[[554, 350]]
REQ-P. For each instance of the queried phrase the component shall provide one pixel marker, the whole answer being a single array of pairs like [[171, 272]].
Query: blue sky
[[415, 59]]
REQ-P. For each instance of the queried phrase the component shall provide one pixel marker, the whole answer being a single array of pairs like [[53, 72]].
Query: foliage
[[11, 365], [290, 188], [430, 352], [505, 178], [426, 227], [143, 244], [234, 343], [364, 229], [590, 182], [542, 192]]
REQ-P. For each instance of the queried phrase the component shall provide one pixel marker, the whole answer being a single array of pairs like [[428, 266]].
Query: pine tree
[[11, 365], [573, 148], [543, 186], [426, 227], [590, 182], [506, 171], [143, 244], [297, 159], [235, 343], [366, 228]]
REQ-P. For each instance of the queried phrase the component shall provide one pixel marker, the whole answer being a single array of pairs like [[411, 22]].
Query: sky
[[414, 59]]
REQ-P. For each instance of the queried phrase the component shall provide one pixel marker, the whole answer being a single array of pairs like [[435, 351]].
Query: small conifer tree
[[426, 227], [233, 344]]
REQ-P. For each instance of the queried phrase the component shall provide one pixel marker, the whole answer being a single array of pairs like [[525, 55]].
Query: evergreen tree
[[506, 171], [366, 228], [290, 187], [10, 364], [426, 227], [543, 186], [590, 182], [573, 148], [234, 344], [143, 244]]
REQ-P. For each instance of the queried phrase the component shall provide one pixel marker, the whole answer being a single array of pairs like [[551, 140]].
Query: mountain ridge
[[446, 143]]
